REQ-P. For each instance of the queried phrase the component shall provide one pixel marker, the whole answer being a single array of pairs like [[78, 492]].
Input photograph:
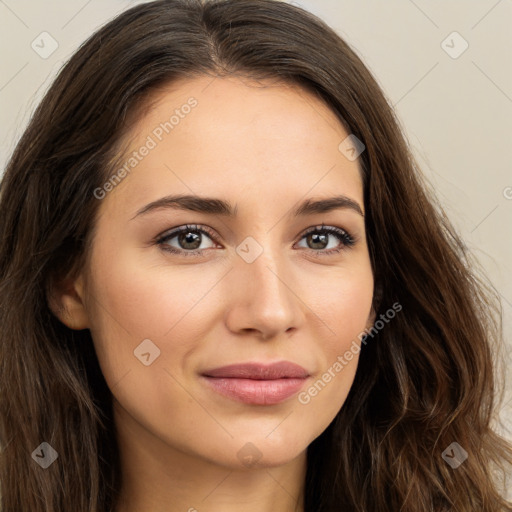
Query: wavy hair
[[430, 378]]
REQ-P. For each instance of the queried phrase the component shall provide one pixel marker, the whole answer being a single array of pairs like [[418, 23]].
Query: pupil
[[190, 238], [319, 238]]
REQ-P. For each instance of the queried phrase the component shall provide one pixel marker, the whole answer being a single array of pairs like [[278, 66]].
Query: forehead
[[228, 136]]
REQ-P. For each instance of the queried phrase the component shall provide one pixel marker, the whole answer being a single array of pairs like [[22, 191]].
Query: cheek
[[131, 302], [343, 304], [345, 307], [144, 322], [146, 301]]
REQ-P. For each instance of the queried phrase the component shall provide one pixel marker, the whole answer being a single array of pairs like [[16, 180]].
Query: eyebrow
[[214, 206]]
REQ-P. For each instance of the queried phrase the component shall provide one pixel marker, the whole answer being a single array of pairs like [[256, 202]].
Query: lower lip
[[256, 392]]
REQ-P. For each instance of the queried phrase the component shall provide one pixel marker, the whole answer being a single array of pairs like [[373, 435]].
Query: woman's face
[[254, 287]]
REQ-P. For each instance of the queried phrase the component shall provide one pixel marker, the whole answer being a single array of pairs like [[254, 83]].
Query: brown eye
[[318, 238], [188, 239]]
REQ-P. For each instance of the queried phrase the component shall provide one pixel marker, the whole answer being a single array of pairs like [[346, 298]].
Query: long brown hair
[[426, 381]]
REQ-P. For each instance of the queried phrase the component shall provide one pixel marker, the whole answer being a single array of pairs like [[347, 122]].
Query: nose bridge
[[265, 294], [266, 273]]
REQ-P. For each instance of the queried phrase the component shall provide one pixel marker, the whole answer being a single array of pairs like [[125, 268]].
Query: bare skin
[[265, 150]]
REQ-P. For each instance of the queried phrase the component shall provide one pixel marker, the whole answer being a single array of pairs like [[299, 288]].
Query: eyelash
[[344, 236]]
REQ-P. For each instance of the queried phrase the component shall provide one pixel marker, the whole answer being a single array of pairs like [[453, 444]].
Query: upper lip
[[259, 371]]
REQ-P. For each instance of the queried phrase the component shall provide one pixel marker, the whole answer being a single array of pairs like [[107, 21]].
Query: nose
[[264, 296]]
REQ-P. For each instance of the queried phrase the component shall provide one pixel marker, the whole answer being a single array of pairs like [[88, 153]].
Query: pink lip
[[256, 383]]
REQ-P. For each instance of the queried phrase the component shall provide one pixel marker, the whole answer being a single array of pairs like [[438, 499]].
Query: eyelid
[[186, 227]]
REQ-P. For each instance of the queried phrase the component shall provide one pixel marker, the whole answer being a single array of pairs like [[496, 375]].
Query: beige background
[[456, 109]]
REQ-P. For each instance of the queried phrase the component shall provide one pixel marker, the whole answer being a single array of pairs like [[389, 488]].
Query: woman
[[323, 344]]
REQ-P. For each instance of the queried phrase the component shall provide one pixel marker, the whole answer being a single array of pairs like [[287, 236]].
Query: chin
[[257, 452]]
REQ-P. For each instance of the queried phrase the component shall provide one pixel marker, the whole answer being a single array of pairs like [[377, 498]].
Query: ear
[[66, 301]]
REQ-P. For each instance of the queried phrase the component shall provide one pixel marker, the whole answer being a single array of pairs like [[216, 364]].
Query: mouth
[[256, 383]]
